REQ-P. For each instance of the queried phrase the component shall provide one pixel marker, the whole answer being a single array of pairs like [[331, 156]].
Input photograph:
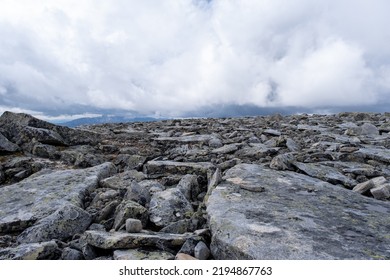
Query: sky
[[65, 59]]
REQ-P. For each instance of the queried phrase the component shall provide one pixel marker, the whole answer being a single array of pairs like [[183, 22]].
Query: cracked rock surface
[[271, 187]]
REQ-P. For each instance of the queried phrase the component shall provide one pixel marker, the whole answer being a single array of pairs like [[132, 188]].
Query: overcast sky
[[169, 57]]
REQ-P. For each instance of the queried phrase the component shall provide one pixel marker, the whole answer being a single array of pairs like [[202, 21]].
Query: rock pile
[[292, 187]]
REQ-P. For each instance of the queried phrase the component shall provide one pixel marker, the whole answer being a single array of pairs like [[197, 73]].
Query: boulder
[[62, 224], [295, 217], [133, 225], [325, 173], [169, 206], [130, 209], [33, 251], [124, 240], [45, 192], [156, 168], [189, 186], [7, 146]]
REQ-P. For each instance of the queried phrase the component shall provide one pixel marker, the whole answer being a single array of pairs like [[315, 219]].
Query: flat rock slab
[[164, 168], [38, 196], [33, 251], [294, 217], [124, 240]]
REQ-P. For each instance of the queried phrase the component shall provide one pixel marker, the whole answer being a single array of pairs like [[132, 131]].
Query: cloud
[[172, 57]]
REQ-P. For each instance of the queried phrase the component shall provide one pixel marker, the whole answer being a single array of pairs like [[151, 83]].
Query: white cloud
[[177, 56]]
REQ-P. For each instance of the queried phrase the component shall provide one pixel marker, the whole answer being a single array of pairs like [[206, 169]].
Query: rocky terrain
[[293, 187]]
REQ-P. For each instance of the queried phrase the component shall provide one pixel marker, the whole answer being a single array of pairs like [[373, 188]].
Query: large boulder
[[294, 216], [33, 251], [62, 224], [124, 240], [7, 146], [169, 206], [21, 128], [24, 203]]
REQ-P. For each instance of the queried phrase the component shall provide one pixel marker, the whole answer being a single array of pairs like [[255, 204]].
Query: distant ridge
[[106, 119]]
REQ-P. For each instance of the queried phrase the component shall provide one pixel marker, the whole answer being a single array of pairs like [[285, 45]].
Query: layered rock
[[276, 187]]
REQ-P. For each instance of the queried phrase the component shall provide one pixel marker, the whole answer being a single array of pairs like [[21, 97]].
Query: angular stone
[[62, 224], [133, 225], [139, 194], [124, 240], [169, 206], [165, 168], [7, 146], [187, 139], [375, 153], [122, 180], [292, 145], [227, 149], [45, 192], [326, 173], [179, 227], [189, 187], [34, 251], [381, 192], [368, 185], [283, 162], [140, 254], [369, 129], [130, 210], [71, 254], [201, 251], [272, 132], [296, 217]]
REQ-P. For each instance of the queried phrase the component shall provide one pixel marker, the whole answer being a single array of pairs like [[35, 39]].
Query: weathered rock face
[[272, 187], [294, 217], [24, 203]]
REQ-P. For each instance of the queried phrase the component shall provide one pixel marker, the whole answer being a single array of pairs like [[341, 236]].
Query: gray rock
[[381, 192], [71, 254], [326, 173], [62, 224], [138, 193], [122, 180], [190, 244], [34, 251], [215, 143], [227, 149], [169, 206], [45, 151], [283, 162], [179, 227], [152, 186], [133, 225], [7, 146], [21, 128], [364, 187], [201, 251], [200, 138], [292, 145], [130, 210], [369, 129], [45, 192], [189, 187], [123, 240], [140, 254], [375, 153], [165, 168], [272, 132], [296, 217]]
